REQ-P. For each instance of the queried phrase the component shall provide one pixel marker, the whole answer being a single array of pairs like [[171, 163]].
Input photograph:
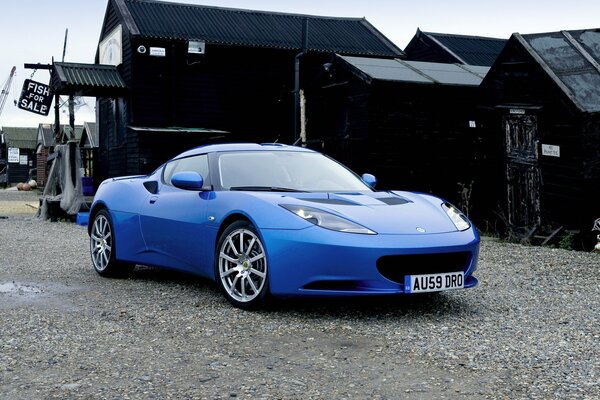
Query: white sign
[[158, 51], [518, 111], [472, 124], [13, 154], [23, 160], [111, 48], [550, 150]]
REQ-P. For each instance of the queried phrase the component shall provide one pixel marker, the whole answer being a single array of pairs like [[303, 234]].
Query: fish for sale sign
[[35, 97]]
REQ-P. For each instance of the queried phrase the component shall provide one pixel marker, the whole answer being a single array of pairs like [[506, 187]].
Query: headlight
[[458, 218], [327, 220]]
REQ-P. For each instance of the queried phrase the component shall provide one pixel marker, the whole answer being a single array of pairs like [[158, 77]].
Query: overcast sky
[[33, 30]]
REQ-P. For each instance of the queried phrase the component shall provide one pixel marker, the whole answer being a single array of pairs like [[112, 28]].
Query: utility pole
[[297, 80]]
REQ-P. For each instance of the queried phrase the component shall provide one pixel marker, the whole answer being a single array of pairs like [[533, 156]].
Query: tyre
[[241, 268], [103, 247]]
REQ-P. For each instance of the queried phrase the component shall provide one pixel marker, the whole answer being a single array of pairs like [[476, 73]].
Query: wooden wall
[[569, 183], [410, 136]]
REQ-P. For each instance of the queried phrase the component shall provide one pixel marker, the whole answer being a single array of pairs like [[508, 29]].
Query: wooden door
[[522, 171]]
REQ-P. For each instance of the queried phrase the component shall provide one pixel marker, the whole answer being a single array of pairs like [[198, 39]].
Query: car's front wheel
[[102, 247], [241, 266]]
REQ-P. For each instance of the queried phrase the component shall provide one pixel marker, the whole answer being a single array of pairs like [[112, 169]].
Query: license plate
[[434, 282]]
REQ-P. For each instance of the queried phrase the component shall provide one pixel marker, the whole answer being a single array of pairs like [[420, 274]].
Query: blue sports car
[[274, 220]]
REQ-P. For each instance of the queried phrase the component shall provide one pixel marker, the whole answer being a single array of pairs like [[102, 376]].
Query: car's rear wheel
[[241, 266], [102, 247]]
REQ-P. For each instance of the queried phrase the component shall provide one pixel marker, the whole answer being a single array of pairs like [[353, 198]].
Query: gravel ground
[[531, 329]]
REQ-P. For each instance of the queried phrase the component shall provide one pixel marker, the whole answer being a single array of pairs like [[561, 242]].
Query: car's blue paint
[[188, 180], [179, 228]]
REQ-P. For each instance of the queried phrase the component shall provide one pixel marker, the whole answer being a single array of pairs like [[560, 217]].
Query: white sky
[[33, 31]]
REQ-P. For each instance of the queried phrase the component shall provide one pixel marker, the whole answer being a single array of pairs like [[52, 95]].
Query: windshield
[[286, 171]]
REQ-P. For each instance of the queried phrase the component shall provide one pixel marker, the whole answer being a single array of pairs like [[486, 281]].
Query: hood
[[384, 212]]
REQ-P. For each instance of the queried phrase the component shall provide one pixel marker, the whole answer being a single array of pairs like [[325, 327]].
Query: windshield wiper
[[266, 189]]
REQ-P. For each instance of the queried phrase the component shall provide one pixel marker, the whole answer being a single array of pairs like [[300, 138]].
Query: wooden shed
[[451, 48], [541, 99], [412, 124], [194, 74], [19, 145]]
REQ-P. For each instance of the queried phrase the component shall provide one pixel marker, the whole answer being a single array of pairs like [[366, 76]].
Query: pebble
[[529, 330]]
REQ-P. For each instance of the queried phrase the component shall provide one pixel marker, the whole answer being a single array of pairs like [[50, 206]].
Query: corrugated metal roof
[[463, 49], [258, 28], [23, 138], [572, 59], [89, 136], [86, 79], [69, 132], [45, 135], [418, 71]]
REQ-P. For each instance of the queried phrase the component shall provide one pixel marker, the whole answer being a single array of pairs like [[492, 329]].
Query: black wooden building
[[17, 154], [412, 124], [195, 74], [451, 48], [541, 99]]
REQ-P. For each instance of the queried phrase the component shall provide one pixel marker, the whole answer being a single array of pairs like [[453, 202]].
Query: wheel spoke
[[257, 257], [232, 246], [233, 283], [228, 258], [228, 272], [258, 273], [97, 229], [251, 282], [250, 246], [241, 242], [243, 287]]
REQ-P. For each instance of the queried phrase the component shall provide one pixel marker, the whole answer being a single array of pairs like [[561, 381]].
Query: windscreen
[[286, 170]]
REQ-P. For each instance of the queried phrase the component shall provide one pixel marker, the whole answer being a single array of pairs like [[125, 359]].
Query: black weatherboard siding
[[240, 88], [544, 87]]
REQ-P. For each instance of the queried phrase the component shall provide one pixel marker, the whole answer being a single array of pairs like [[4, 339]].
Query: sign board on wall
[[550, 150], [35, 97], [23, 159], [13, 154]]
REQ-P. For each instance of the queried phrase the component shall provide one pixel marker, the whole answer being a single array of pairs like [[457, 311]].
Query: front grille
[[395, 268]]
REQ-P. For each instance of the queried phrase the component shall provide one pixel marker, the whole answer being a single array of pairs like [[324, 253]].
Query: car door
[[173, 220]]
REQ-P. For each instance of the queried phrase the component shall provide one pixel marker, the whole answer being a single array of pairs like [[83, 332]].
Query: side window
[[197, 164]]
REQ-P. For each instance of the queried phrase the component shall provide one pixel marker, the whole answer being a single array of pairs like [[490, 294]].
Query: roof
[[89, 136], [417, 71], [23, 138], [45, 135], [228, 26], [87, 79], [572, 60], [462, 49], [66, 129]]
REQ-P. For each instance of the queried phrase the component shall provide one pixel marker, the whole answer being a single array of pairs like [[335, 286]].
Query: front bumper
[[320, 262]]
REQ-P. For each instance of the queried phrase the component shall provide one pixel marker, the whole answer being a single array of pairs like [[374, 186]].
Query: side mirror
[[187, 180], [369, 180]]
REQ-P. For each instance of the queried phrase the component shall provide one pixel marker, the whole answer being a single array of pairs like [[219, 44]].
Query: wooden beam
[[37, 66]]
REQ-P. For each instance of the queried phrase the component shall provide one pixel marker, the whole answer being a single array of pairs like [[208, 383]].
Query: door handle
[[153, 199]]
